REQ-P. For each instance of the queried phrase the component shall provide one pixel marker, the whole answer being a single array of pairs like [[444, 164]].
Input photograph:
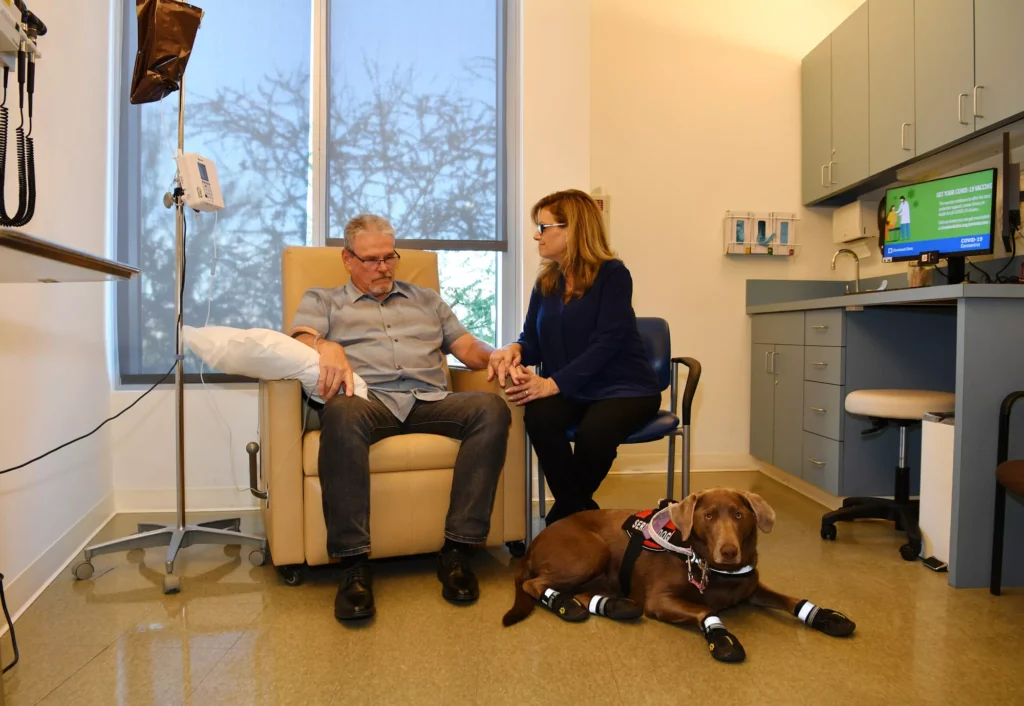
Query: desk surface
[[947, 293], [25, 258]]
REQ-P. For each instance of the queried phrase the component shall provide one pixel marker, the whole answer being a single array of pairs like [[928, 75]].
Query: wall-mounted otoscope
[[19, 30]]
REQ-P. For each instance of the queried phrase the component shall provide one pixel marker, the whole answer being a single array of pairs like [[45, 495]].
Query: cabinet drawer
[[824, 328], [823, 459], [825, 364], [785, 328], [823, 409]]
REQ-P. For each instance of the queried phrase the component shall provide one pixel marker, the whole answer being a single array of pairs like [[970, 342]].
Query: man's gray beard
[[380, 290]]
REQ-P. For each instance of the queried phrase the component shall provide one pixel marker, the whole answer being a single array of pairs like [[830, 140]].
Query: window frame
[[128, 298]]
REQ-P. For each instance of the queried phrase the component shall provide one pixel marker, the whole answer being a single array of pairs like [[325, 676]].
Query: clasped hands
[[505, 366]]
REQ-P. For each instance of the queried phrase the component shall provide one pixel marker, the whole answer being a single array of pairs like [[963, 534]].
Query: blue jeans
[[350, 425], [904, 231]]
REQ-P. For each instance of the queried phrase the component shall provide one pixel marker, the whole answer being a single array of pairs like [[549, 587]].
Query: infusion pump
[[199, 182]]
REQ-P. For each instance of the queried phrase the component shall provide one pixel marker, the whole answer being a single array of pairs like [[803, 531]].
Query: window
[[312, 116]]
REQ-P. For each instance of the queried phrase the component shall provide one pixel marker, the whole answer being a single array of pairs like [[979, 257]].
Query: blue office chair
[[658, 342]]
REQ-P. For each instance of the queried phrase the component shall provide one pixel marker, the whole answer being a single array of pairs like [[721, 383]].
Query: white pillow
[[260, 353]]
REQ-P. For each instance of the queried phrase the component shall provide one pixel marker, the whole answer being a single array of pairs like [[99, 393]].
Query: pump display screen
[[202, 172]]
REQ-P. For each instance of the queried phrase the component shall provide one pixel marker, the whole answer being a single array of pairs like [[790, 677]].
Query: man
[[395, 336], [904, 214]]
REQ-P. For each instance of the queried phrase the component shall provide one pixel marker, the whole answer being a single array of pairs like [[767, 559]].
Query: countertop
[[898, 297]]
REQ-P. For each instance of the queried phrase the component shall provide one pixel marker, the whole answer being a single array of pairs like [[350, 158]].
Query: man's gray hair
[[366, 222]]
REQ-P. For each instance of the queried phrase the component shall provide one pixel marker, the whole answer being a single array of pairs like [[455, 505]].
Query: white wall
[[556, 109], [695, 109], [53, 361]]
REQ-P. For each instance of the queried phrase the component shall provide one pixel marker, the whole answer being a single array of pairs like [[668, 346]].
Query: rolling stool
[[902, 407]]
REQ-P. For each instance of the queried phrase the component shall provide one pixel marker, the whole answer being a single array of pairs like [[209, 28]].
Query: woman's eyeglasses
[[390, 260], [541, 227]]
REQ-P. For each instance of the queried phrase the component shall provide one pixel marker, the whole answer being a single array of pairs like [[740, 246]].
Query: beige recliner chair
[[411, 474]]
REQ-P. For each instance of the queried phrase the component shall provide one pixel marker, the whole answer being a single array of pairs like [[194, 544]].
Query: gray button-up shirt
[[396, 345]]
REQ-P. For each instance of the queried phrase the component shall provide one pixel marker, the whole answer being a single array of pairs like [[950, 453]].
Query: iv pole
[[179, 535]]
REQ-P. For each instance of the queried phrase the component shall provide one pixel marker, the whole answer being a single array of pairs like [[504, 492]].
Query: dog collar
[[657, 533]]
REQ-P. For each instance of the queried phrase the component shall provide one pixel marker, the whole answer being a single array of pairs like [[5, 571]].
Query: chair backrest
[[304, 268], [658, 342]]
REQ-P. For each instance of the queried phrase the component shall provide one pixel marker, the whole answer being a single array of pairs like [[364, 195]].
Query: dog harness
[[654, 531]]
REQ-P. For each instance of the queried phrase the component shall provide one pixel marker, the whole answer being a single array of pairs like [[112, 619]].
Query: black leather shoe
[[458, 584], [355, 594]]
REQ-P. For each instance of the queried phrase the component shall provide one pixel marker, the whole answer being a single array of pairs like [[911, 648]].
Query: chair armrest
[[1004, 425], [692, 380], [513, 488], [280, 410]]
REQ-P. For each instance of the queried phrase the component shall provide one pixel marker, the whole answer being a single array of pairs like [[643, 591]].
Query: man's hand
[[529, 386], [504, 362], [335, 370]]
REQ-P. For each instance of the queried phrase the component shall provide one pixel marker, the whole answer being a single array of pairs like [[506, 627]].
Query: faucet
[[856, 262]]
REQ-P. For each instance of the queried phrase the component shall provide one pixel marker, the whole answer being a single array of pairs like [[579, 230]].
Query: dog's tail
[[523, 605]]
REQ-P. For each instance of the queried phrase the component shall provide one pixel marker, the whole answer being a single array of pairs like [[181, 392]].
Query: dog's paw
[[621, 609], [830, 622], [566, 607], [833, 623], [724, 646]]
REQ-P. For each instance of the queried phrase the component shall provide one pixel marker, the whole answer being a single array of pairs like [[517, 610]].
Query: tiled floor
[[237, 635]]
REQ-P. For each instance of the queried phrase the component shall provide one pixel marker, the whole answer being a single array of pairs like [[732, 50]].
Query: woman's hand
[[503, 362], [335, 370], [529, 386]]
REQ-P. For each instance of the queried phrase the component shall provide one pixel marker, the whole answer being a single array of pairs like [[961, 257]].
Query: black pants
[[574, 476], [350, 425]]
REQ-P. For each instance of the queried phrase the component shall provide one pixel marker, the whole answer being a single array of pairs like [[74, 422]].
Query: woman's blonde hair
[[586, 241]]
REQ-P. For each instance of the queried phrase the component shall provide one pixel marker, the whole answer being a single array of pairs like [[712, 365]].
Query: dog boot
[[564, 605], [615, 608], [827, 621], [723, 644]]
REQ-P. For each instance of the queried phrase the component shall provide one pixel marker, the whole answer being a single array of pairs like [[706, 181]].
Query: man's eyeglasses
[[390, 260], [541, 227]]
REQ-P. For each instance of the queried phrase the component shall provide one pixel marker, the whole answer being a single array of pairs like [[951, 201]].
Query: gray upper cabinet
[[998, 92], [943, 39], [816, 113], [849, 163], [891, 72]]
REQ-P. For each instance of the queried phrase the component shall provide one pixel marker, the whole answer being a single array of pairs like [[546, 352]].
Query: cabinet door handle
[[818, 410], [819, 327], [976, 113], [773, 361], [960, 108], [819, 364], [823, 182], [816, 462], [830, 173], [903, 136], [767, 365]]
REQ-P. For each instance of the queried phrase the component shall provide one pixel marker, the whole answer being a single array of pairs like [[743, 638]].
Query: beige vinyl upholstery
[[410, 475]]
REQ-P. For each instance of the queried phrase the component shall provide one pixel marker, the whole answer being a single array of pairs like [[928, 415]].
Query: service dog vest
[[654, 531]]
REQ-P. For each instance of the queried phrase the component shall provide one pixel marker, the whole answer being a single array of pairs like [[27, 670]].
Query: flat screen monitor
[[954, 216]]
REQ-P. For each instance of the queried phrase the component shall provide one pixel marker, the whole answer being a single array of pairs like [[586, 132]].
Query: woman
[[892, 225], [581, 328]]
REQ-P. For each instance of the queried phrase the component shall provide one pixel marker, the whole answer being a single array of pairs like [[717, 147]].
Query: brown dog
[[703, 561]]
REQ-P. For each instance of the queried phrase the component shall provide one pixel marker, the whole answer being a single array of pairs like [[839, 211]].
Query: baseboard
[[832, 502], [197, 499], [26, 586]]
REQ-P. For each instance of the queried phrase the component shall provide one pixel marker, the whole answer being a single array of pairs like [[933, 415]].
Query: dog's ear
[[762, 511], [682, 515]]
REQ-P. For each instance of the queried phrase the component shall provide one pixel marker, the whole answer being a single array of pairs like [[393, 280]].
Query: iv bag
[[167, 29]]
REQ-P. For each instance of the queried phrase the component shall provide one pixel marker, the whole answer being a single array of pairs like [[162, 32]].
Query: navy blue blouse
[[591, 346]]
